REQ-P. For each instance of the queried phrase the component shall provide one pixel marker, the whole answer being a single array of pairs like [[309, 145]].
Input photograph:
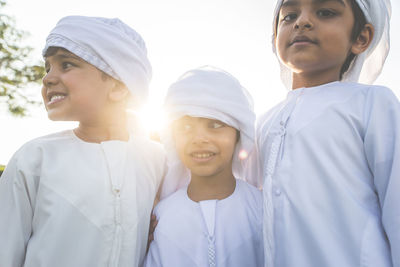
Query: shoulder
[[250, 192], [376, 97], [150, 156], [148, 148], [382, 93], [265, 119], [266, 116], [169, 205], [39, 145], [29, 157], [48, 139], [251, 199], [149, 153], [367, 90]]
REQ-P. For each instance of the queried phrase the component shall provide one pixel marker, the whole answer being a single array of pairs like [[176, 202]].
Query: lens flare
[[243, 154]]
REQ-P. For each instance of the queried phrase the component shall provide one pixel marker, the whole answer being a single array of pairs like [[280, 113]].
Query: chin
[[57, 117], [54, 117]]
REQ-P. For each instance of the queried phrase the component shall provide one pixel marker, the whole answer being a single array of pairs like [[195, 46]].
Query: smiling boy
[[216, 219], [83, 197]]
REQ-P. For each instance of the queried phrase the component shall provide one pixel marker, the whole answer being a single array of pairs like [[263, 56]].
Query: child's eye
[[326, 13], [66, 65], [183, 127], [47, 67], [289, 17], [216, 124]]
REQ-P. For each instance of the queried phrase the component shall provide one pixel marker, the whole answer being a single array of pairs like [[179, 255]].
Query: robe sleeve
[[17, 194], [382, 148], [153, 258]]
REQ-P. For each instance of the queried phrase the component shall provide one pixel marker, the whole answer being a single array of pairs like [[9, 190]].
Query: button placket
[[277, 192], [279, 130]]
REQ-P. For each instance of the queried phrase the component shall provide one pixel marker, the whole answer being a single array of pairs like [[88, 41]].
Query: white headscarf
[[108, 44], [210, 93], [367, 66]]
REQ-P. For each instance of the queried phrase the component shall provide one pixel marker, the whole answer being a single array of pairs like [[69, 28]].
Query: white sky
[[180, 35]]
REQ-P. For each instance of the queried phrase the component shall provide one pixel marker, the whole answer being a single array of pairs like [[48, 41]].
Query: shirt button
[[282, 123], [278, 192]]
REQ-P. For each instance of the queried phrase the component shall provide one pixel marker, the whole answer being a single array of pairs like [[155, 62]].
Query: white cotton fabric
[[367, 66], [329, 157], [182, 237], [108, 44], [65, 202], [211, 93]]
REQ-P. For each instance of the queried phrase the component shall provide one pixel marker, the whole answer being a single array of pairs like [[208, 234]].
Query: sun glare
[[151, 119]]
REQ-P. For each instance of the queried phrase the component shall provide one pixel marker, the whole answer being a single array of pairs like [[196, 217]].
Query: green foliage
[[2, 167], [16, 72]]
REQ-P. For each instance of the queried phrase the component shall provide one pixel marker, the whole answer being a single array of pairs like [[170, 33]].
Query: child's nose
[[304, 21], [50, 78], [200, 135]]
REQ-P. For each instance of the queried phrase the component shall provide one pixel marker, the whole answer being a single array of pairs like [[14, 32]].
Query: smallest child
[[215, 220]]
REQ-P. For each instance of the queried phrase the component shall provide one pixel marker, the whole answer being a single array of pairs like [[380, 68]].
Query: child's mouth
[[302, 40], [202, 156], [55, 98]]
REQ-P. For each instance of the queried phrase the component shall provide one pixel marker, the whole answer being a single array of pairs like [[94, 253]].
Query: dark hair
[[52, 50], [237, 135], [359, 23]]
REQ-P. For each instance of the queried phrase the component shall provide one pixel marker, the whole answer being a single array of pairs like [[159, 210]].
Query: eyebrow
[[61, 56], [291, 3], [324, 1], [67, 55]]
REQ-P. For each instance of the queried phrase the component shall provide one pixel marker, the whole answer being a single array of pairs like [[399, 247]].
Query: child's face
[[74, 89], [205, 146], [314, 36]]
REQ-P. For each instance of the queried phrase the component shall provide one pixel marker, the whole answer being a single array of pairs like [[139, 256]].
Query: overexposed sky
[[234, 35]]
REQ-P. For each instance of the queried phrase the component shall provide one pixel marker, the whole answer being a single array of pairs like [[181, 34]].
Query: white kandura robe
[[330, 157], [66, 202], [227, 232]]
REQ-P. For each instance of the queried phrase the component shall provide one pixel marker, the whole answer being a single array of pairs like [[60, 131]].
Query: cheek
[[230, 147], [180, 144], [43, 92], [228, 144], [340, 43], [280, 43]]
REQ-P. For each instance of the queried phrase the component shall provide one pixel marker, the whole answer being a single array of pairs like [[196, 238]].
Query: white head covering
[[367, 66], [210, 93], [108, 44]]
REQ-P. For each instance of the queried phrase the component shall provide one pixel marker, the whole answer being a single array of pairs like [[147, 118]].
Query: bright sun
[[151, 118]]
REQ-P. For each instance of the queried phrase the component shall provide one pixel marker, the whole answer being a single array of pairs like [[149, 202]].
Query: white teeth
[[202, 155], [56, 97]]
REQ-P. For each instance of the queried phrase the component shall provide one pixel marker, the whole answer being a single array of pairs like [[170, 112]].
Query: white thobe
[[66, 202], [225, 232], [330, 157]]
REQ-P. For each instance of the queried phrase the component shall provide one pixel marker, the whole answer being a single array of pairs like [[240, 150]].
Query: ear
[[363, 40], [119, 92]]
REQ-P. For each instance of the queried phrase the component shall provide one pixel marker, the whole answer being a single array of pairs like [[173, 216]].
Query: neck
[[301, 80], [104, 130], [219, 186]]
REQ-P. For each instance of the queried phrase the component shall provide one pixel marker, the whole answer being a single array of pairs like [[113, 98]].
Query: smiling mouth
[[55, 97], [202, 155]]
